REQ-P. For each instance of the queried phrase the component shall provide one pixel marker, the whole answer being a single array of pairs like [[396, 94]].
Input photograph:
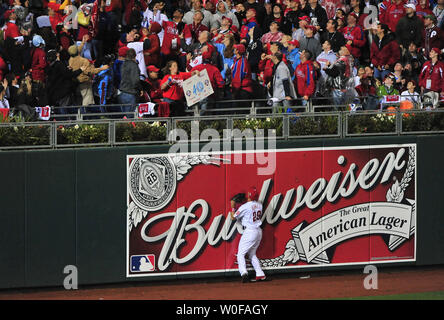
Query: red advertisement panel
[[321, 207]]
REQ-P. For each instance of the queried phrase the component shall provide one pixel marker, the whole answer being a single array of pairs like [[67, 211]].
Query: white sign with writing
[[197, 88]]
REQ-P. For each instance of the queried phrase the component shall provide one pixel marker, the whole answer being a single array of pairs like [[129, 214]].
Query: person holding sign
[[217, 82], [171, 86]]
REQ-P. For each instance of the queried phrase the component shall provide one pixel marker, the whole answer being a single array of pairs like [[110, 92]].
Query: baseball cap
[[294, 43], [352, 14], [229, 19], [312, 28], [252, 193], [122, 51], [151, 68], [436, 50], [252, 9], [37, 41], [431, 17], [390, 75], [305, 18], [7, 14], [54, 6], [240, 48], [410, 5]]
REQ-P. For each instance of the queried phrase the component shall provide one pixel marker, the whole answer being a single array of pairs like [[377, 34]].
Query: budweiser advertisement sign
[[322, 207]]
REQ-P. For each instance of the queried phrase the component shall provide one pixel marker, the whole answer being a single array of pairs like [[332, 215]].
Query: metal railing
[[284, 126]]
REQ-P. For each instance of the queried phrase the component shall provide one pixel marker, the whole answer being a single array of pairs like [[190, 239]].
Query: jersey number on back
[[257, 215]]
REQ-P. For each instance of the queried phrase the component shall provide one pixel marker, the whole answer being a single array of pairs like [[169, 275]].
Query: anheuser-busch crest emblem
[[322, 207]]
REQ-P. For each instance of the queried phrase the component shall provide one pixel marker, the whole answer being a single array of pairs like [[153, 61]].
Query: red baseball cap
[[7, 14], [294, 43], [229, 19], [352, 14], [54, 6], [305, 18], [252, 9], [122, 51], [152, 68], [436, 50], [240, 48], [252, 193], [312, 28]]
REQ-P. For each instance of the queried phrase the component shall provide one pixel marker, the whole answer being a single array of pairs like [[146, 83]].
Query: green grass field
[[437, 295]]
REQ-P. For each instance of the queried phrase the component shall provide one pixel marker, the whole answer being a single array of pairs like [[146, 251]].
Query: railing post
[[286, 126], [252, 109]]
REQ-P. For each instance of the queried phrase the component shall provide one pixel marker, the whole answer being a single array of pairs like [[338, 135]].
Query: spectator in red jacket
[[152, 55], [217, 82], [394, 13], [171, 85], [194, 29], [38, 59], [423, 9], [354, 36], [384, 52], [431, 78], [170, 46], [305, 77]]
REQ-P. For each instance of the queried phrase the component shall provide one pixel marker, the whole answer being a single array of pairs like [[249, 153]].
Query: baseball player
[[249, 214]]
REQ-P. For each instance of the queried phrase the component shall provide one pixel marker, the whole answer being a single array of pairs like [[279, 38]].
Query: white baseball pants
[[248, 244]]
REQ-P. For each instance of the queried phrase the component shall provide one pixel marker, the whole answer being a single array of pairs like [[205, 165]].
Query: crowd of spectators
[[115, 54]]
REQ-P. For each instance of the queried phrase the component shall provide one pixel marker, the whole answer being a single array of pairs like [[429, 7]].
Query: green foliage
[[266, 124], [82, 134], [371, 123], [217, 124], [313, 125], [423, 121], [18, 135], [141, 131]]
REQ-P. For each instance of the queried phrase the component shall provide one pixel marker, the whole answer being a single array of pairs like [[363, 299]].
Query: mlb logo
[[143, 263]]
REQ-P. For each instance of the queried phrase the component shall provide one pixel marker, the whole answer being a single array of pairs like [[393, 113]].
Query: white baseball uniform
[[249, 214]]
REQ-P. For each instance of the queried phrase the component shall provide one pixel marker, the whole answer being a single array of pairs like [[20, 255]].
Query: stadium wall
[[68, 207]]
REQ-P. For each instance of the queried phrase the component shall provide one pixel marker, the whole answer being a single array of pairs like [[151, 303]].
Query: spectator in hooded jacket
[[222, 11], [384, 52], [197, 6], [410, 27]]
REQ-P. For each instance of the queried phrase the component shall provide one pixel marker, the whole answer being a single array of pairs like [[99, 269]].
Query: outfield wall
[[68, 207]]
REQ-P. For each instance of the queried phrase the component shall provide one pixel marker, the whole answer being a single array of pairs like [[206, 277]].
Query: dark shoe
[[245, 278]]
